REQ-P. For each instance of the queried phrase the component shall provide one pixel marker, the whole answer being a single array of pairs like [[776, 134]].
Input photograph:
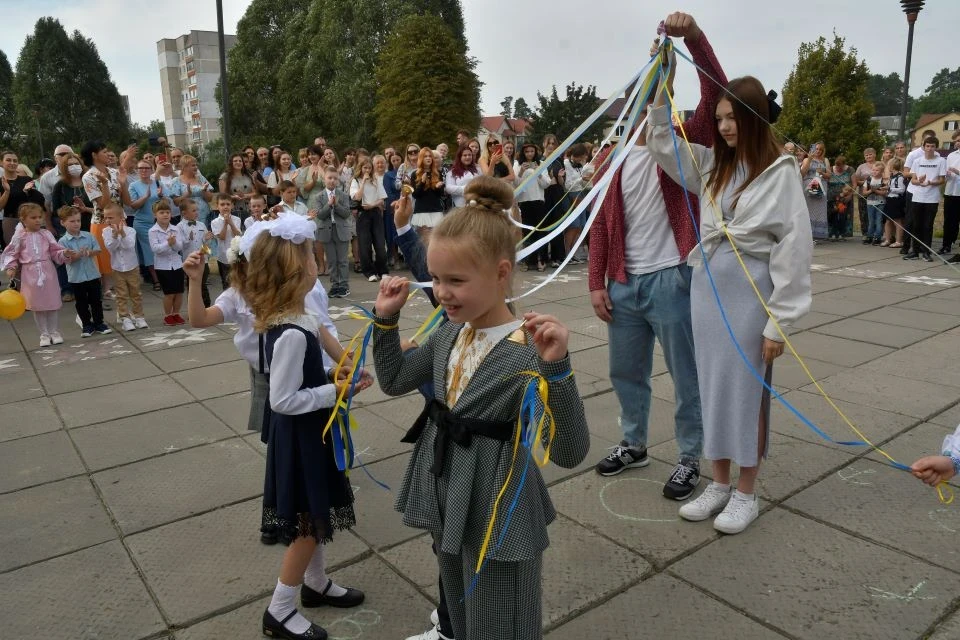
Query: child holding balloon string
[[33, 251]]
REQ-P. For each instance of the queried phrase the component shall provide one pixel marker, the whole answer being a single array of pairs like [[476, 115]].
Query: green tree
[[521, 109], [506, 107], [423, 97], [562, 117], [886, 94], [8, 126], [825, 98], [62, 87], [942, 96]]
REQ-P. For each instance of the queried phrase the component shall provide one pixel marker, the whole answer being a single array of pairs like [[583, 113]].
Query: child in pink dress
[[34, 250]]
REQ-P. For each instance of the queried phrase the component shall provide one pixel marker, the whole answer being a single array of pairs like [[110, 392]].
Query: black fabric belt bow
[[461, 430]]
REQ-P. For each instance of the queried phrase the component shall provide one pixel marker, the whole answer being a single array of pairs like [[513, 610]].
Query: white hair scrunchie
[[289, 226]]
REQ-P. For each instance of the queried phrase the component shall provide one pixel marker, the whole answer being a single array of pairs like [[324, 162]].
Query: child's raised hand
[[393, 294], [549, 336], [933, 470], [193, 266]]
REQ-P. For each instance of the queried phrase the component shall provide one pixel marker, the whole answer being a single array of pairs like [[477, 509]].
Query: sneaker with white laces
[[623, 457], [738, 514], [44, 340], [430, 634], [140, 323], [709, 503], [683, 480], [56, 338], [128, 324]]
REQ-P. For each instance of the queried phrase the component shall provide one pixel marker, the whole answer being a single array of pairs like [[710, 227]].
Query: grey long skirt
[[731, 397]]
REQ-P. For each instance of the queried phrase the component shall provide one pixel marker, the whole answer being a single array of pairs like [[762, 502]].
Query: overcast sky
[[528, 46]]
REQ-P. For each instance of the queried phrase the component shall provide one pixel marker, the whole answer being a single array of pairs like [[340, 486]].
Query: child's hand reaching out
[[933, 470], [193, 266], [549, 336], [393, 294]]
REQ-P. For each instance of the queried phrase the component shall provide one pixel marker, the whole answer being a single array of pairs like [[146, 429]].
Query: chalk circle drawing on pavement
[[853, 476], [351, 627], [605, 489]]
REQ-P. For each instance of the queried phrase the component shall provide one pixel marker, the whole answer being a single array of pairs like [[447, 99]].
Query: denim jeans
[[875, 221], [655, 305]]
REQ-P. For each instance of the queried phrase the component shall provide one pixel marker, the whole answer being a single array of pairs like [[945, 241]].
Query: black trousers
[[907, 223], [88, 301], [922, 215], [553, 201], [951, 220], [371, 236], [224, 270], [532, 214]]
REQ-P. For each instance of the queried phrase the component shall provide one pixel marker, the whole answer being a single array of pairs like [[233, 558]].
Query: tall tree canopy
[[62, 84], [521, 109], [562, 117], [424, 97], [825, 98], [886, 94], [942, 96], [8, 116]]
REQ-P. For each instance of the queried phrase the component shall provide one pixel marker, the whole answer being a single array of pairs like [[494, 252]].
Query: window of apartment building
[[196, 136]]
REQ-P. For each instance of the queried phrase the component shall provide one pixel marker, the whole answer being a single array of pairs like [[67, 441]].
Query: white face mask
[[75, 170]]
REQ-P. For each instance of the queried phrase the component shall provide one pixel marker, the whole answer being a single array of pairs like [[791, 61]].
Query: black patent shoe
[[268, 535], [310, 598], [273, 628]]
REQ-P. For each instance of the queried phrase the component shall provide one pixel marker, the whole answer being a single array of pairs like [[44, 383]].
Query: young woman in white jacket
[[746, 185], [533, 208]]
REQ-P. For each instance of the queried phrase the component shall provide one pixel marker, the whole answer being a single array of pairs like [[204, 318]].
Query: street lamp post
[[911, 8], [224, 93]]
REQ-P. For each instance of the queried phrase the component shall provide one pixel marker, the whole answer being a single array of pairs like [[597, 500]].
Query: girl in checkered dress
[[480, 362]]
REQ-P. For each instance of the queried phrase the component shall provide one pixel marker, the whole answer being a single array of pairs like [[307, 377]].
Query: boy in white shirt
[[289, 202], [121, 243], [224, 228], [194, 236], [165, 243], [258, 205], [927, 173]]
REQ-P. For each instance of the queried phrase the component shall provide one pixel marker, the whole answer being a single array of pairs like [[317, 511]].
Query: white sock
[[315, 576], [284, 601], [720, 485], [53, 322], [748, 497]]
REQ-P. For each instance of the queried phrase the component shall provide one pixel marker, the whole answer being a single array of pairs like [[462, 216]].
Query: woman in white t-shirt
[[927, 173], [367, 189], [283, 171]]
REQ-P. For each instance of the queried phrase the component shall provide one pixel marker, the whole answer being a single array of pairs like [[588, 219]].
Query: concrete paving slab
[[899, 395], [136, 397], [602, 412], [827, 281], [10, 342], [96, 374], [794, 464], [823, 583], [815, 319], [160, 337], [374, 394], [630, 509], [949, 418], [883, 504], [12, 364], [941, 367], [948, 629], [192, 357], [129, 439], [894, 285], [378, 523], [35, 520], [590, 326], [76, 349], [874, 332], [599, 448], [37, 459], [657, 598], [232, 410], [375, 438], [840, 351], [578, 342], [596, 362], [159, 490], [788, 374], [932, 304], [850, 302], [400, 411], [107, 600], [22, 386], [415, 560], [913, 318], [571, 309], [191, 580], [28, 418], [215, 380]]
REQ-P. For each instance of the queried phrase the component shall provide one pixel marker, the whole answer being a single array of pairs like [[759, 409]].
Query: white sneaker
[[44, 340], [128, 324], [709, 503], [434, 618], [56, 338], [738, 514], [76, 319], [372, 279], [140, 323], [430, 634]]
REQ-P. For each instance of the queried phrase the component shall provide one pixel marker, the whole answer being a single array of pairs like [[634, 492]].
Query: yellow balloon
[[12, 304]]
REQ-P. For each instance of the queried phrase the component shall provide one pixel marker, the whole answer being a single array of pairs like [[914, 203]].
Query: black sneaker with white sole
[[623, 457], [683, 481]]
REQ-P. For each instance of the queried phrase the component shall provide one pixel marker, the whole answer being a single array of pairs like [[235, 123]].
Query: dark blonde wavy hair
[[276, 284]]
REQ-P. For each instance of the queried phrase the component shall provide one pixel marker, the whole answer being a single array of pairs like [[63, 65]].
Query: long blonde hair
[[275, 285]]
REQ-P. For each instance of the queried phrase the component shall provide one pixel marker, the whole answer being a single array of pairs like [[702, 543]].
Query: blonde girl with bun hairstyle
[[478, 362]]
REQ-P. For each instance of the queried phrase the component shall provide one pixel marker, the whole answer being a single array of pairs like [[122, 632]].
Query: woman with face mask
[[69, 191]]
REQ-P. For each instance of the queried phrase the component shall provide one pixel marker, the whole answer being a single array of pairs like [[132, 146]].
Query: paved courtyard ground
[[129, 486]]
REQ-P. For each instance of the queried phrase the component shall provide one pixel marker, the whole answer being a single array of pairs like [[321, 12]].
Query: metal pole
[[911, 19], [224, 93]]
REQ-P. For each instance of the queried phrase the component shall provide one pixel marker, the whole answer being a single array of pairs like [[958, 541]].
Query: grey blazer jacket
[[333, 223], [457, 507]]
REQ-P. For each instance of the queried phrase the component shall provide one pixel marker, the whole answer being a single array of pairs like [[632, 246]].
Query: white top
[[534, 190], [234, 309], [191, 237], [908, 164], [274, 179], [372, 191], [455, 186], [216, 226], [483, 342], [248, 222], [47, 183], [898, 185], [298, 208], [165, 257], [92, 186], [122, 249], [953, 180], [933, 168], [576, 178], [951, 443], [167, 184], [286, 374], [649, 244]]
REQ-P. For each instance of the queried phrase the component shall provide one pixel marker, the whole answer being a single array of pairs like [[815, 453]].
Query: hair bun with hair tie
[[472, 203], [772, 106]]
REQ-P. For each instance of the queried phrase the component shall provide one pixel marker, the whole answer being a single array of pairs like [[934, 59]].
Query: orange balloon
[[12, 304]]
